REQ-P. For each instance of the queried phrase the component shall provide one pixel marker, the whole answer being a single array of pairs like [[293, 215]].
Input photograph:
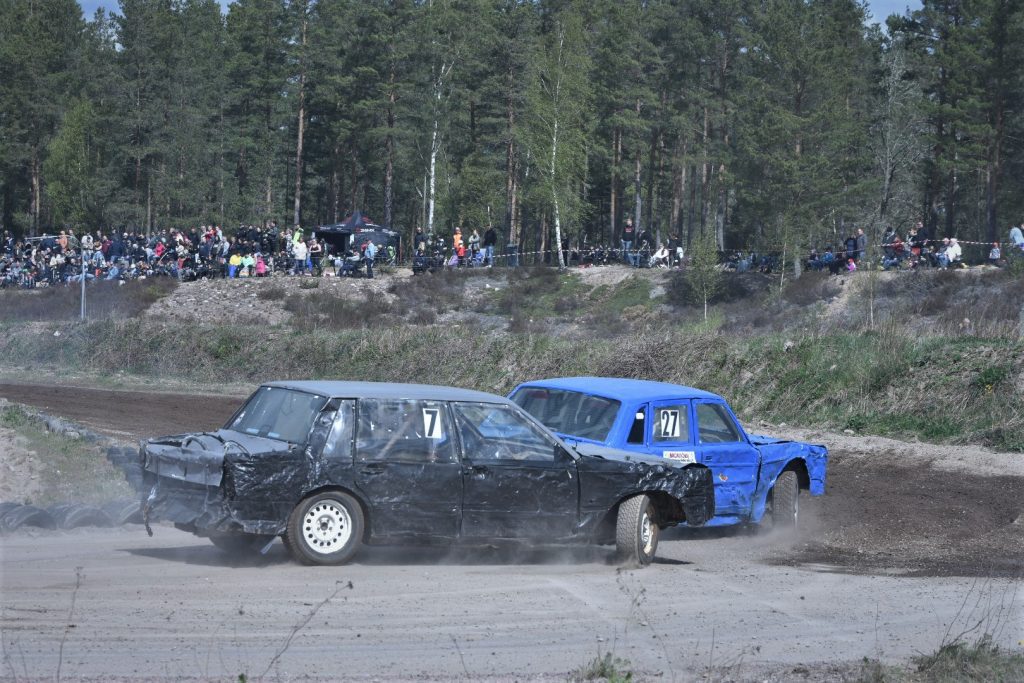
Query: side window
[[671, 423], [715, 425], [404, 430], [636, 432], [497, 432], [339, 442]]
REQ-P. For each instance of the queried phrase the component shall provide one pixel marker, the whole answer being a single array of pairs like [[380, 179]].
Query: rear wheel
[[325, 529], [636, 531], [240, 543], [786, 501]]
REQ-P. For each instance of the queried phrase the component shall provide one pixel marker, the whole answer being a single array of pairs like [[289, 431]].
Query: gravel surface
[[912, 544]]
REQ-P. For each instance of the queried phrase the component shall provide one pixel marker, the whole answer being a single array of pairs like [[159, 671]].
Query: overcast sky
[[880, 9]]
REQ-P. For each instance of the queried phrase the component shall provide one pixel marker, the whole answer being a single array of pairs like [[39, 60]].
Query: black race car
[[329, 466]]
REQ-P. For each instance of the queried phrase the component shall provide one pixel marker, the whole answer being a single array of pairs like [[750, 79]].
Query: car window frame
[[740, 434], [560, 457], [455, 456], [692, 434]]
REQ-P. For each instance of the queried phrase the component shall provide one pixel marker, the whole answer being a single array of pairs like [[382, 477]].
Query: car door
[[407, 467], [518, 482], [669, 431], [722, 446]]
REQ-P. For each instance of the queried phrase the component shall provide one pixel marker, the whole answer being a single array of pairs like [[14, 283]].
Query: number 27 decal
[[669, 422]]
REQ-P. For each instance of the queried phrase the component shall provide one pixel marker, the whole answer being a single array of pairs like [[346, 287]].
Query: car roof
[[389, 390], [623, 389]]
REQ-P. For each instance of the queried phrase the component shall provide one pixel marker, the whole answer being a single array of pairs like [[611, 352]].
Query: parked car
[[755, 476], [329, 466]]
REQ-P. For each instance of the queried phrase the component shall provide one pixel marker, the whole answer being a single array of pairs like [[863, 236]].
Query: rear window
[[570, 412]]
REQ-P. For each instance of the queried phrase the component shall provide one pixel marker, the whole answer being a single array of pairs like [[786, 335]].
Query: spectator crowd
[[204, 251], [251, 251]]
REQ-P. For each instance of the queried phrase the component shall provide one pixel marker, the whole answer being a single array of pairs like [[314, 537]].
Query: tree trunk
[[637, 181], [554, 197], [37, 193], [389, 153], [511, 195], [705, 176], [297, 213], [616, 160]]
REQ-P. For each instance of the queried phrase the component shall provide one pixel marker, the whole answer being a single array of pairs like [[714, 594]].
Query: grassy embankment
[[68, 468], [781, 357]]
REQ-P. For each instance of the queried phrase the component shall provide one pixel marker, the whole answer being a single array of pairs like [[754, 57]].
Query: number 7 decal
[[432, 423]]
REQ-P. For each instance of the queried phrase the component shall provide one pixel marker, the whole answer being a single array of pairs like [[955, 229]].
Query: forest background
[[773, 125]]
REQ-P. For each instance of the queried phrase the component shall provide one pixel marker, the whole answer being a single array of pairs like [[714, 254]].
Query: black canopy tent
[[355, 230]]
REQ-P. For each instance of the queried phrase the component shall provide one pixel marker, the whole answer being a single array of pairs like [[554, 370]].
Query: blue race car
[[755, 476]]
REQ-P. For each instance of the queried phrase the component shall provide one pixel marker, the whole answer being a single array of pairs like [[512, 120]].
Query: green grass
[[955, 662], [950, 388], [603, 668], [71, 470]]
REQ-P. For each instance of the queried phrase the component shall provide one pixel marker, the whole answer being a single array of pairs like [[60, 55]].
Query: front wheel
[[786, 501], [325, 529], [636, 531]]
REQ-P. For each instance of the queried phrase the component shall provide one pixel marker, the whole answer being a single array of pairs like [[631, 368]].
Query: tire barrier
[[27, 515], [70, 515]]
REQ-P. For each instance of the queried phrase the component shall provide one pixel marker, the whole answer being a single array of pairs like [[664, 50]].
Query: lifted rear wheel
[[636, 531], [325, 529]]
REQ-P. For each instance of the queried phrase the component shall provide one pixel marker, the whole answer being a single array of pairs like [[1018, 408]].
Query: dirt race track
[[913, 544]]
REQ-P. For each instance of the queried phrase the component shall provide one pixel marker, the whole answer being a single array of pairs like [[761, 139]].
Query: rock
[[848, 431], [788, 345], [57, 333]]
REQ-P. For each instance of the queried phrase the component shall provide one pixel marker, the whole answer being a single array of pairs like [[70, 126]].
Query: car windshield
[[275, 413], [570, 412]]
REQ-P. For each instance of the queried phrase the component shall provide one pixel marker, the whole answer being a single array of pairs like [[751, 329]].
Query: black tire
[[124, 512], [27, 515], [73, 515], [240, 543], [786, 502], [636, 531], [7, 507], [325, 529]]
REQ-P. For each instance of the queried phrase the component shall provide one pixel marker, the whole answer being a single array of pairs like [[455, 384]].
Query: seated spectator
[[233, 265], [851, 265], [951, 255], [261, 266], [814, 261], [660, 257], [837, 263]]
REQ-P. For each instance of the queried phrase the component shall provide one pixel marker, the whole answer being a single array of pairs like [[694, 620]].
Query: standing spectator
[[316, 256], [628, 236], [851, 248], [369, 254], [1017, 236], [490, 241], [643, 248], [457, 240], [862, 244], [995, 255], [86, 243], [474, 244], [299, 253]]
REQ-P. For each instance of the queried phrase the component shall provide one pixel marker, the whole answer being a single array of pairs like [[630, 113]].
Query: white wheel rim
[[646, 533], [326, 527]]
